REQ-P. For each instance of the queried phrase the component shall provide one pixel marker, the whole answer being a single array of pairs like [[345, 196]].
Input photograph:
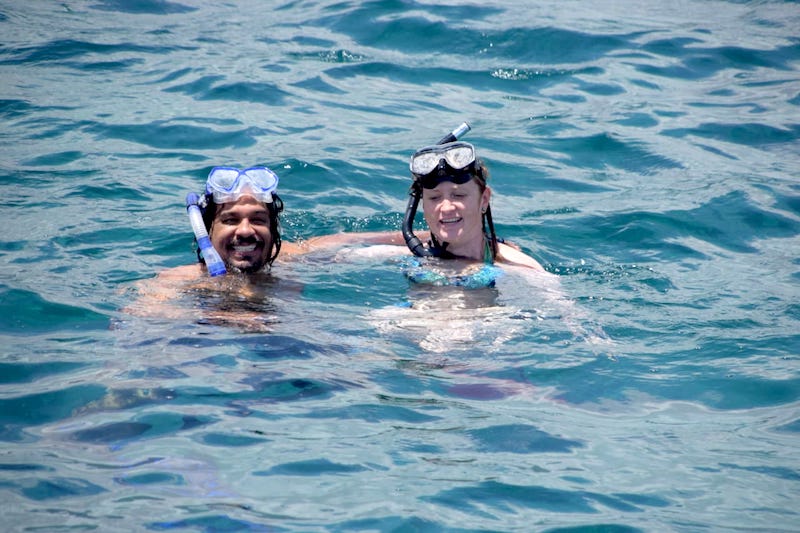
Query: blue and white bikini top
[[484, 278], [435, 272]]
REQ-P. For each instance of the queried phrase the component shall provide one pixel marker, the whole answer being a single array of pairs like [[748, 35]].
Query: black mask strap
[[487, 218], [275, 207]]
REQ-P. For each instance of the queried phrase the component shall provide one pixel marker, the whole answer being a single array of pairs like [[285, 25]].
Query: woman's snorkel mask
[[448, 160], [227, 184]]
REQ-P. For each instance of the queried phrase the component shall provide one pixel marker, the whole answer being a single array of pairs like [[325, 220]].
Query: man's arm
[[343, 239]]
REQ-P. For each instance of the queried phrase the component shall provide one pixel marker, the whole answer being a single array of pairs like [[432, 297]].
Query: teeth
[[450, 220], [244, 249]]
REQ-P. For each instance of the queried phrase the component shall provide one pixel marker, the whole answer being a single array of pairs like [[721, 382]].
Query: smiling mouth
[[244, 249], [450, 220]]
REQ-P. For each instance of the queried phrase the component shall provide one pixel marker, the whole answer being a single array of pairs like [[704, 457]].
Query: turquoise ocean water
[[645, 152]]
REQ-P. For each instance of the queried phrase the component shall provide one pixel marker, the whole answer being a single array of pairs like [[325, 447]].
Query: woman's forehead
[[448, 186]]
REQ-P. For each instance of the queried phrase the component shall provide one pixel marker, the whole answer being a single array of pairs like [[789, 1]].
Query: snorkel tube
[[214, 263], [412, 241], [456, 134]]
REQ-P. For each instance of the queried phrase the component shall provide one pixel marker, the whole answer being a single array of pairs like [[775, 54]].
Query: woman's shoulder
[[507, 253]]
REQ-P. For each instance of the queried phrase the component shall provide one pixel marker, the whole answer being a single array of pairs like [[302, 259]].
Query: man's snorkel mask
[[447, 160], [226, 184]]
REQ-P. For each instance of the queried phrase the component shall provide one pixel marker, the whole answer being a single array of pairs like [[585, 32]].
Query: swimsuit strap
[[488, 257]]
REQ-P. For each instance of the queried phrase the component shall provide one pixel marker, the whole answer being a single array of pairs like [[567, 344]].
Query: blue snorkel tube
[[412, 241], [214, 263]]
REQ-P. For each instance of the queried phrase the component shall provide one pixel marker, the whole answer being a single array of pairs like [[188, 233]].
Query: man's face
[[241, 234]]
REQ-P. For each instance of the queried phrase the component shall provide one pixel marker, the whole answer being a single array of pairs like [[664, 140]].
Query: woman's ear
[[485, 197]]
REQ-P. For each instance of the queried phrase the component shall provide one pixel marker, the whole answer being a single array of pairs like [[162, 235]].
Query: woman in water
[[452, 184]]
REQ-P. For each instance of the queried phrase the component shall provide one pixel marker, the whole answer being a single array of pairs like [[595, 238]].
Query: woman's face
[[241, 234], [454, 214]]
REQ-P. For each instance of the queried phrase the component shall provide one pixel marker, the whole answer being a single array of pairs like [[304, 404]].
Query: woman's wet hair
[[481, 173]]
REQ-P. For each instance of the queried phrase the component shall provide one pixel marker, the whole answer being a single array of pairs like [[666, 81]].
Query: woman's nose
[[447, 203]]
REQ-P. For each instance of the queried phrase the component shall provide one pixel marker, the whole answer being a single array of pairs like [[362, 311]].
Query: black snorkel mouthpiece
[[412, 241], [415, 193], [456, 134]]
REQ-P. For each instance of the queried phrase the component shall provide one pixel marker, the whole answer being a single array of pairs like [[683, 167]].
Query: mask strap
[[275, 207], [487, 219]]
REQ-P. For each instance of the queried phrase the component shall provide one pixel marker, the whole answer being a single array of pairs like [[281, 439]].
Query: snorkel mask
[[228, 184], [448, 160]]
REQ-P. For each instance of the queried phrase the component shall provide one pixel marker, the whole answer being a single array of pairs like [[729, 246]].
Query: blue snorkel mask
[[448, 160], [228, 184]]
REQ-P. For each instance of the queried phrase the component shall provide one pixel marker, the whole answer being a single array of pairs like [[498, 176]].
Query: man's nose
[[244, 228]]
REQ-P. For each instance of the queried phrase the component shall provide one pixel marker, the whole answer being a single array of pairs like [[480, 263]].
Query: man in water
[[240, 212]]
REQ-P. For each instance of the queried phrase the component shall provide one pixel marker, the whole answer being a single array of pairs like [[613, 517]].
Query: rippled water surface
[[645, 152]]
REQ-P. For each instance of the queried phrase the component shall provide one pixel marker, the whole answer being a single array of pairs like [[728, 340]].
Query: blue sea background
[[647, 153]]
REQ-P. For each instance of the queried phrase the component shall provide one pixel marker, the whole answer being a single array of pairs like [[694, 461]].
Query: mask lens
[[460, 157], [424, 162], [262, 177], [223, 178]]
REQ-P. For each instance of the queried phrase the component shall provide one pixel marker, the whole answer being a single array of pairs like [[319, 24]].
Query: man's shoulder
[[181, 273], [154, 294]]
